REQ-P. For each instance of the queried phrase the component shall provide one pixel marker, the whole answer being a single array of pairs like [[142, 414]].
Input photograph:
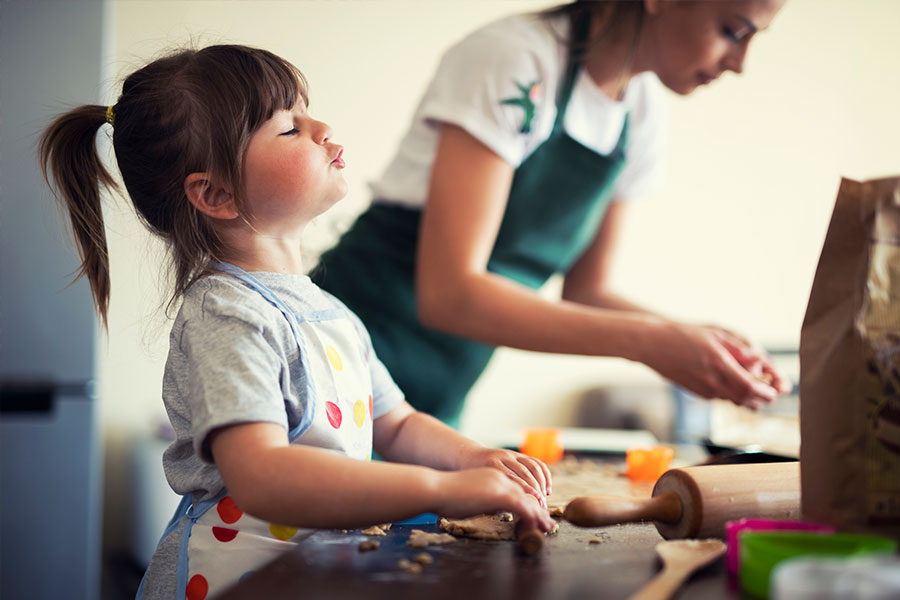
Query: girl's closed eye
[[291, 131]]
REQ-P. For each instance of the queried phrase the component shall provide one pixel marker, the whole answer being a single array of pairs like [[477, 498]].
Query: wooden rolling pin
[[695, 502], [530, 541]]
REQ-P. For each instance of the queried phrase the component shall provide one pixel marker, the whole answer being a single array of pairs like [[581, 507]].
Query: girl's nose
[[323, 132]]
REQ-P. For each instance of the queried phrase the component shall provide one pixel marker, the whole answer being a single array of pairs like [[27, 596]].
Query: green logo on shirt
[[530, 93]]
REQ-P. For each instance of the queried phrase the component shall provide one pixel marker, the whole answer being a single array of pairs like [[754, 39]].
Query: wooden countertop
[[330, 565]]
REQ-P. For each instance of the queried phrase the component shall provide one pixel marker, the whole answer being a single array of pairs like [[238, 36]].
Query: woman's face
[[689, 43]]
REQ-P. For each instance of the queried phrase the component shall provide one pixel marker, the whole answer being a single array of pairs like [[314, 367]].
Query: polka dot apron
[[221, 544]]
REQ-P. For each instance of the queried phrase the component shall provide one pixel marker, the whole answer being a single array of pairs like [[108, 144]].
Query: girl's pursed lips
[[338, 161]]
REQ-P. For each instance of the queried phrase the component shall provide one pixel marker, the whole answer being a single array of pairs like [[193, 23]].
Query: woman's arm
[[587, 283], [456, 293], [587, 280], [302, 486]]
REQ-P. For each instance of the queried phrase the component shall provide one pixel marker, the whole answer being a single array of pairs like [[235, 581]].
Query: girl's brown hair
[[188, 112]]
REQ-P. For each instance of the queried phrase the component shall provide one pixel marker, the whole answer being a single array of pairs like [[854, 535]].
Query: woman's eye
[[292, 131], [731, 34]]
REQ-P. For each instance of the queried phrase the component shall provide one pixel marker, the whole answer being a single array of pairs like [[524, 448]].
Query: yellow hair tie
[[110, 114]]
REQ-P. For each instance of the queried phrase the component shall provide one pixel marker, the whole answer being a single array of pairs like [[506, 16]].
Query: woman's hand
[[530, 473], [486, 490], [754, 359], [714, 363]]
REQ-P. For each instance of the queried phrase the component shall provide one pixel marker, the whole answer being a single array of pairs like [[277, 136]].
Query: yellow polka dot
[[282, 532], [359, 413], [334, 358]]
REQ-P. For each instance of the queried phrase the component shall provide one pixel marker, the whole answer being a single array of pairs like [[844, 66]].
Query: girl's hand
[[714, 363], [486, 490], [530, 473]]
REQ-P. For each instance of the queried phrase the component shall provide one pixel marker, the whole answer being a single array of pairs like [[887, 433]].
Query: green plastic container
[[761, 551]]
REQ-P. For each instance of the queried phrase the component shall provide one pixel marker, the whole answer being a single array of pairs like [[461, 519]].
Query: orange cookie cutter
[[647, 464], [543, 444]]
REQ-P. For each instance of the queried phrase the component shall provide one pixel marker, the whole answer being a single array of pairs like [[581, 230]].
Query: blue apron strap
[[274, 300], [184, 506], [264, 291]]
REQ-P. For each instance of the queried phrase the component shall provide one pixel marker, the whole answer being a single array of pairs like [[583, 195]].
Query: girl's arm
[[406, 435], [456, 293], [302, 486]]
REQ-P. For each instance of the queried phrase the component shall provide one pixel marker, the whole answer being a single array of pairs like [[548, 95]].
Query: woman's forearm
[[602, 299], [497, 311]]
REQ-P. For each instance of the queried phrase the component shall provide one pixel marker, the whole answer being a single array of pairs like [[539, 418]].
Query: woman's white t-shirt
[[496, 63]]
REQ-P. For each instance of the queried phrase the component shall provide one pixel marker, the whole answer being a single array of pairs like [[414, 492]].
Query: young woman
[[520, 161]]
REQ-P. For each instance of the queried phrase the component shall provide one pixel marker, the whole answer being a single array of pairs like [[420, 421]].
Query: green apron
[[556, 203]]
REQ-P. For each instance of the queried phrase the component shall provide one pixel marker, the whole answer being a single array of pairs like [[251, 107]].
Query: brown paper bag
[[850, 366]]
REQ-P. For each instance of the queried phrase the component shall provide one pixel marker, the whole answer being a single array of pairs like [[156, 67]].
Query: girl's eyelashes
[[292, 131]]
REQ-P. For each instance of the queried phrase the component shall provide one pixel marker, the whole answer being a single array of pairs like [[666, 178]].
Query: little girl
[[271, 384]]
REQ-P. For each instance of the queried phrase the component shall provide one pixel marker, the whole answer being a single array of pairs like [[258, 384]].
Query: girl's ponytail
[[192, 111], [69, 157]]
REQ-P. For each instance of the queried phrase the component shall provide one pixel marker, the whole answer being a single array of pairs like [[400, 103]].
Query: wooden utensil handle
[[661, 587], [597, 511], [530, 540]]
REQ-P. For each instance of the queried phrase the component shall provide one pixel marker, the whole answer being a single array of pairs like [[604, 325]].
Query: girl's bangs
[[275, 84], [248, 84]]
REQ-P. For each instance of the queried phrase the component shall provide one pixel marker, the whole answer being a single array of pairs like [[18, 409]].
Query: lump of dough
[[409, 567], [420, 539], [482, 527], [377, 529]]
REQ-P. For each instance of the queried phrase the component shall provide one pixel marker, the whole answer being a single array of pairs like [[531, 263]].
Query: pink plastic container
[[733, 559]]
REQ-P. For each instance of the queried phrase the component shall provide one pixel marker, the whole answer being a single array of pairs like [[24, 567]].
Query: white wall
[[734, 239]]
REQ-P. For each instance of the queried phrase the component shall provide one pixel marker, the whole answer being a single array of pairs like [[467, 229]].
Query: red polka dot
[[228, 510], [224, 534], [334, 414], [371, 411], [196, 588]]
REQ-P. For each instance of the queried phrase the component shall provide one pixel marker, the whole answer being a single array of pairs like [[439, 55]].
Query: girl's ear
[[210, 199]]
